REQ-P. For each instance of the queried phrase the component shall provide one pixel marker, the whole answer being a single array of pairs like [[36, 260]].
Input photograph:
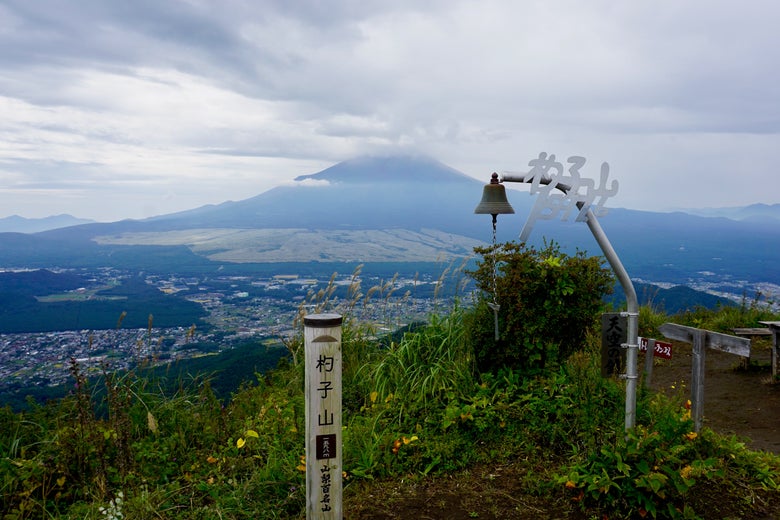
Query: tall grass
[[425, 364], [414, 406]]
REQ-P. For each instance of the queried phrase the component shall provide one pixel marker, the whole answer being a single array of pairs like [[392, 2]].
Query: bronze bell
[[494, 200]]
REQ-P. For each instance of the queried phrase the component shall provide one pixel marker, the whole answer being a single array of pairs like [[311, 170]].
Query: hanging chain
[[494, 305], [495, 266]]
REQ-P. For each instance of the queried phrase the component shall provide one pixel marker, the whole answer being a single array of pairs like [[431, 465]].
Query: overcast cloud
[[114, 110]]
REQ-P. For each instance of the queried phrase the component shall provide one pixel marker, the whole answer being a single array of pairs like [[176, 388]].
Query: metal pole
[[632, 304]]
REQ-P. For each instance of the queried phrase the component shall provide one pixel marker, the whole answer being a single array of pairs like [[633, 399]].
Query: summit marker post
[[322, 335]]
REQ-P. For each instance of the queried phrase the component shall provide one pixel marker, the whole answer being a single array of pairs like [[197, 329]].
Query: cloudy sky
[[128, 109]]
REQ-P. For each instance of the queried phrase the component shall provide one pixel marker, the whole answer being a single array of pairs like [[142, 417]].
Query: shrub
[[548, 304]]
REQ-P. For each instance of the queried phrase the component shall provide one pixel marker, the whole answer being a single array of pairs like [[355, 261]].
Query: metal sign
[[662, 349], [614, 334], [573, 192]]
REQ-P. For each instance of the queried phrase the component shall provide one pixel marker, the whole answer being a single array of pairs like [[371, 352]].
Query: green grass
[[416, 413]]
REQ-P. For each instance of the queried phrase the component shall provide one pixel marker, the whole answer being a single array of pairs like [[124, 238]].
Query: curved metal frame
[[632, 305]]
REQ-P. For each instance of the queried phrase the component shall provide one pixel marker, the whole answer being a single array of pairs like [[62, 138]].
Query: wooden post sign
[[322, 333], [614, 334], [701, 340]]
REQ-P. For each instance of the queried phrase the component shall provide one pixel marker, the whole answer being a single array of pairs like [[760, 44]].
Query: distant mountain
[[370, 209], [755, 212], [407, 192], [407, 208], [17, 224]]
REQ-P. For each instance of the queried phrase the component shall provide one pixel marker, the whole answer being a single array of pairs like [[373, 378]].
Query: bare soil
[[739, 399]]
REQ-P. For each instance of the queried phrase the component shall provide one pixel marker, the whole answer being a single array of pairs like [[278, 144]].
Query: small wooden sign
[[614, 334], [662, 349], [326, 446]]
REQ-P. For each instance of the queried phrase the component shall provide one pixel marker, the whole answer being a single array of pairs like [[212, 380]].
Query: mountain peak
[[17, 224], [393, 169]]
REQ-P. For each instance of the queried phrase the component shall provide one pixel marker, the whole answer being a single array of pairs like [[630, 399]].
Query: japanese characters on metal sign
[[566, 191], [662, 348], [614, 334], [323, 416]]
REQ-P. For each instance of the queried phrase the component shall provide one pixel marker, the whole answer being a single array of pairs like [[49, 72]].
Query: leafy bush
[[548, 304]]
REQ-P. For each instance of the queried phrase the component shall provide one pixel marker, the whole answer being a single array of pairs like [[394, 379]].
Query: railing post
[[322, 334], [697, 378]]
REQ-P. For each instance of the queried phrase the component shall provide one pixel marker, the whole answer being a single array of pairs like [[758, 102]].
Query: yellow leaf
[[211, 460], [240, 443], [61, 481], [300, 467], [373, 396], [151, 422], [252, 433]]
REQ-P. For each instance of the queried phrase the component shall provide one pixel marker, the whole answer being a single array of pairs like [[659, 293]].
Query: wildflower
[[686, 472], [691, 435], [396, 446], [373, 396], [211, 460], [570, 484], [302, 464]]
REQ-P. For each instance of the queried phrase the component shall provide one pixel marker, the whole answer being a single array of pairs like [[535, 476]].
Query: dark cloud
[[162, 91]]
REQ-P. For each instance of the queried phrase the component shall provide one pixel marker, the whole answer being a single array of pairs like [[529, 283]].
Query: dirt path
[[736, 400]]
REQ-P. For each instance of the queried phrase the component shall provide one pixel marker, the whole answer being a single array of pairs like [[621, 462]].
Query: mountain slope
[[17, 224], [413, 208]]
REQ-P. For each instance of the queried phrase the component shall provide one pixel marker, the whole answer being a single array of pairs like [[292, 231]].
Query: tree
[[548, 302]]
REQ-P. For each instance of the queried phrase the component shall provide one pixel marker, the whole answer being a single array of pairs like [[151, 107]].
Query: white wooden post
[[697, 379], [649, 360], [774, 326], [322, 334]]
